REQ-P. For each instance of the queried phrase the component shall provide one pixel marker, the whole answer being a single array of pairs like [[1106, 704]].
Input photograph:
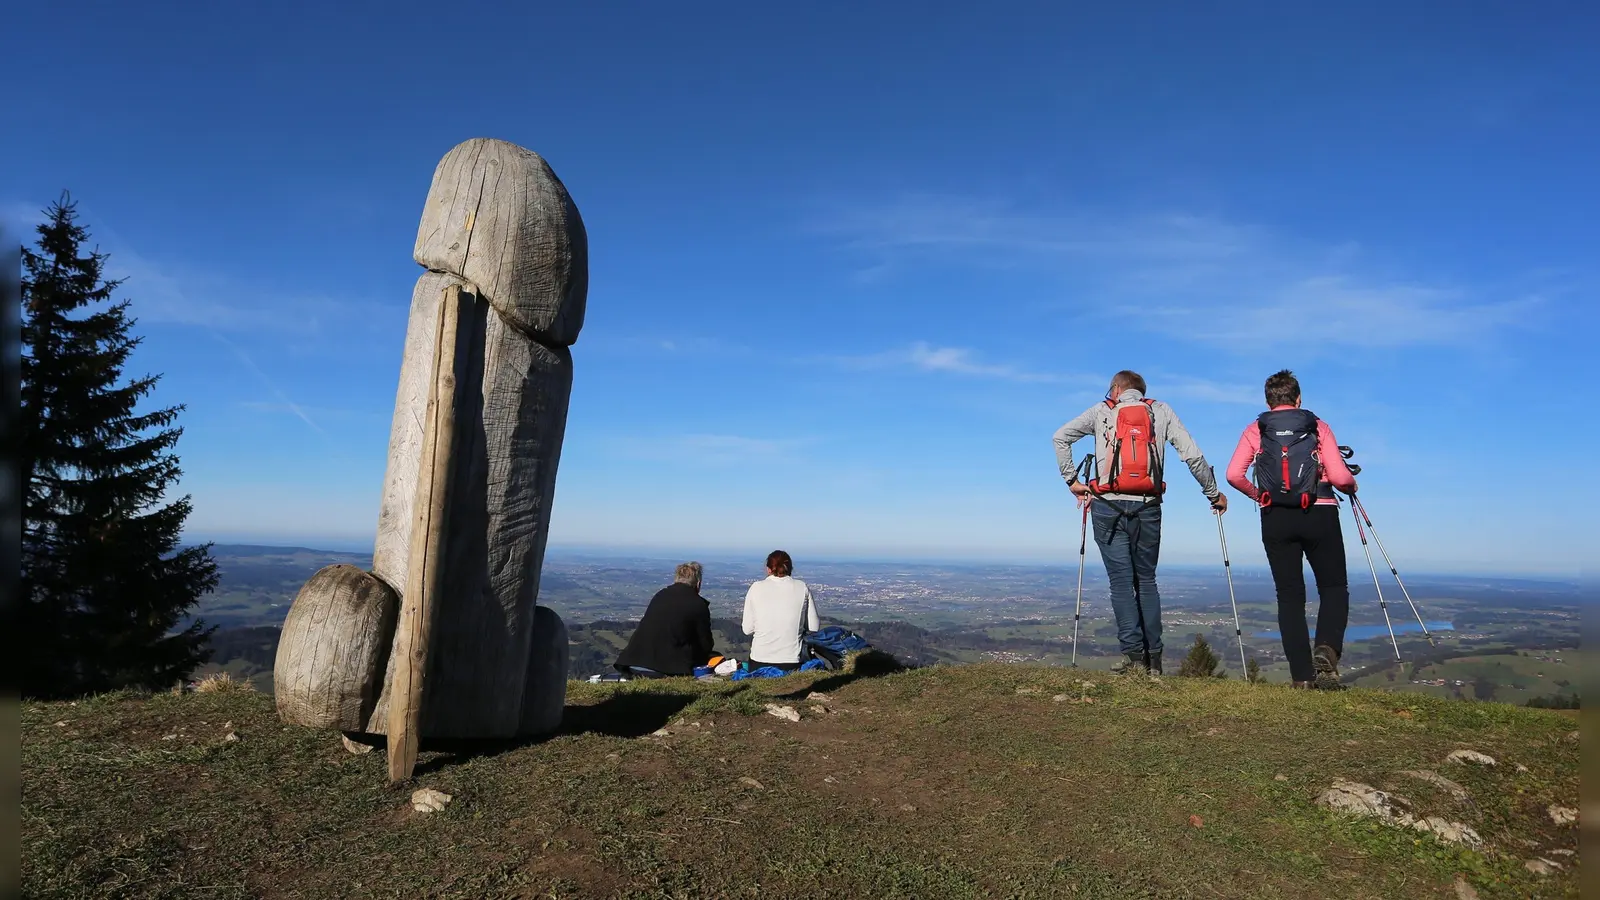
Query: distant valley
[[1512, 640]]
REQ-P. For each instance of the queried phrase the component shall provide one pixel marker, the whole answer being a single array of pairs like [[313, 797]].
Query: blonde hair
[[689, 573]]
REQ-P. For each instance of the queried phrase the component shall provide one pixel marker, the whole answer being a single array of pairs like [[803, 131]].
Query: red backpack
[[1135, 466]]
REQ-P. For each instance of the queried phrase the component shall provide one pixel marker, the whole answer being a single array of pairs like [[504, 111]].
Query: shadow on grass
[[866, 664], [625, 715]]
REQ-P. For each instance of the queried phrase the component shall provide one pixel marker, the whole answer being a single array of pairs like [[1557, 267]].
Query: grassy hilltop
[[972, 781]]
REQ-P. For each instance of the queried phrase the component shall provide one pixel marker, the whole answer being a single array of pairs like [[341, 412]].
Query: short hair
[[1283, 389], [779, 563], [1128, 379], [688, 573]]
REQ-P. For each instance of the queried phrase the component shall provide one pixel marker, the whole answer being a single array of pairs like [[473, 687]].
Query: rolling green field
[[1509, 678]]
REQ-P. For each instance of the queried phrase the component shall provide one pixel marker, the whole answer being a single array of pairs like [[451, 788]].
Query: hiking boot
[[1155, 665], [1326, 664], [1132, 664], [1301, 685]]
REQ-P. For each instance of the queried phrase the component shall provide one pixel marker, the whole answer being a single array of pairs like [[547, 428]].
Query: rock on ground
[[1473, 757], [1366, 801], [1449, 832], [783, 712], [1542, 866], [1438, 781], [428, 800], [1562, 815]]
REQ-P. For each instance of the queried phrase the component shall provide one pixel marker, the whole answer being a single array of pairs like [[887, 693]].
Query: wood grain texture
[[333, 649], [497, 216], [544, 699], [511, 418], [424, 577], [390, 554]]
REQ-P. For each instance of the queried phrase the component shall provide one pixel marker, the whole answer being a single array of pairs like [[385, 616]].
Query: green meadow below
[[953, 781]]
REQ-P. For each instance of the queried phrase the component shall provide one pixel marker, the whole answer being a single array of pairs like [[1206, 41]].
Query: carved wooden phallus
[[502, 242]]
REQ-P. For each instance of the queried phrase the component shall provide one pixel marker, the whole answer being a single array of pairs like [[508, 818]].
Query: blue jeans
[[1129, 535]]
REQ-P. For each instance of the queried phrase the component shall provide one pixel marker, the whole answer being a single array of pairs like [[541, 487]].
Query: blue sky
[[850, 268]]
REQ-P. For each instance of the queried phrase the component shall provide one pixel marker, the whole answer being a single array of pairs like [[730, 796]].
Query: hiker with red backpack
[[1131, 432], [1297, 467]]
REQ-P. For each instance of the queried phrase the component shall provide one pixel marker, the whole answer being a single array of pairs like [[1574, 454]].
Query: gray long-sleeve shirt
[[1100, 420]]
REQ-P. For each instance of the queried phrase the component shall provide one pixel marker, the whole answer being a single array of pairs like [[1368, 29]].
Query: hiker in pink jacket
[[1297, 467]]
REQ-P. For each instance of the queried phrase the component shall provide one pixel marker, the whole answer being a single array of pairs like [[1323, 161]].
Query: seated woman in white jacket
[[777, 610]]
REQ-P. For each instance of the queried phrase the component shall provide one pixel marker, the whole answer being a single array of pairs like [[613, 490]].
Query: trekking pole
[[1357, 506], [1381, 602], [1083, 546], [1227, 567], [1077, 612]]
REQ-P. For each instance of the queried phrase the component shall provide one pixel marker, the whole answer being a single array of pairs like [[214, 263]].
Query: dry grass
[[223, 683]]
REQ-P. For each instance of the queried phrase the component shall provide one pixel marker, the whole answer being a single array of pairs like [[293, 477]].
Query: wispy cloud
[[1346, 311], [172, 294], [167, 293], [1188, 387], [271, 385], [1186, 276], [999, 232], [19, 219], [324, 413], [922, 356]]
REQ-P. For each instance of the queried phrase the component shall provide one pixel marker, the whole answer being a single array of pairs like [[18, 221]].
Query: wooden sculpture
[[444, 637]]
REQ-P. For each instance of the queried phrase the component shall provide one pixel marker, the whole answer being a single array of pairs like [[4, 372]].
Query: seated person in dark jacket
[[675, 634]]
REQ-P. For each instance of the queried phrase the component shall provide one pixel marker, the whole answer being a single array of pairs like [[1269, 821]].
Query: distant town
[[1511, 640]]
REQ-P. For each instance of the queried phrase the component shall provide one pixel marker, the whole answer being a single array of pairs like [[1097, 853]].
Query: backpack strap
[[1316, 454], [1263, 498], [1158, 471]]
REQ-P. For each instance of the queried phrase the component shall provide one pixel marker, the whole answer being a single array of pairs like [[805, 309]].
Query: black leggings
[[1290, 535]]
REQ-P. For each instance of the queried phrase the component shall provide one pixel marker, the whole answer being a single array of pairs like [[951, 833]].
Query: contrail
[[271, 385]]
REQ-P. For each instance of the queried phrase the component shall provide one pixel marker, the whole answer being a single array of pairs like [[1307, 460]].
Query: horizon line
[[668, 554]]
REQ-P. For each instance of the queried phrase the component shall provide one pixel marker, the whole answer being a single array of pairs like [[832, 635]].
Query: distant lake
[[1367, 632]]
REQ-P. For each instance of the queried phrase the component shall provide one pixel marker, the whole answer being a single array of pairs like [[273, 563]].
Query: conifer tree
[[1202, 661], [105, 584], [1252, 671]]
